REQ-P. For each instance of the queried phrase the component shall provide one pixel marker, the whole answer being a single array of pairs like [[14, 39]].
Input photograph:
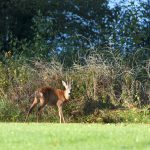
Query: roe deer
[[51, 96]]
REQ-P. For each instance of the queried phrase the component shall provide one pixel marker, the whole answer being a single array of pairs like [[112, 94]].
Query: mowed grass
[[47, 136]]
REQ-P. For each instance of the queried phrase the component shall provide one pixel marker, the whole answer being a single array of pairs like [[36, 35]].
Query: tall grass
[[97, 83]]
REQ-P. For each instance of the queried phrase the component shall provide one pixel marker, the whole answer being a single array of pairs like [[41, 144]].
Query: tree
[[130, 26], [16, 19]]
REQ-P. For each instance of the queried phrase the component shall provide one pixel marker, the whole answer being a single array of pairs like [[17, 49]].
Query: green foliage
[[130, 24], [105, 51], [10, 112], [97, 85], [118, 116]]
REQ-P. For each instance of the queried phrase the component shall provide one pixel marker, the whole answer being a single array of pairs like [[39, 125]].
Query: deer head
[[67, 89]]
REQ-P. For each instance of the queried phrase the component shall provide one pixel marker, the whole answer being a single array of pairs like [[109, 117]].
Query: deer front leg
[[60, 112], [63, 117]]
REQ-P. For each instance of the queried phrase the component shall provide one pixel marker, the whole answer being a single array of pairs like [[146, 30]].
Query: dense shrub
[[97, 84]]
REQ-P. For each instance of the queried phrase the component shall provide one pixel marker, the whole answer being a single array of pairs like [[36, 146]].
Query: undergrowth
[[102, 91]]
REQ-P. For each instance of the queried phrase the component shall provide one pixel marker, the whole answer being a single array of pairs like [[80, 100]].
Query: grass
[[37, 136]]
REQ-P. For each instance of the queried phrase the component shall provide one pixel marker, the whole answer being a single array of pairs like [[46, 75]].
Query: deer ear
[[64, 84]]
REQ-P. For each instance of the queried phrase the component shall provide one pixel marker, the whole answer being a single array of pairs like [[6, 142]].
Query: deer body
[[50, 96]]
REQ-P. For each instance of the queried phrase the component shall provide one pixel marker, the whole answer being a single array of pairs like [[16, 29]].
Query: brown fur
[[51, 96]]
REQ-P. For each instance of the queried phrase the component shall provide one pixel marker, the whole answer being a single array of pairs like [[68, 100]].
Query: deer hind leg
[[42, 104], [35, 102]]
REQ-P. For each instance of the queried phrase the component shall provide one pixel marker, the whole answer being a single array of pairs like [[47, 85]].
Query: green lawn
[[46, 136]]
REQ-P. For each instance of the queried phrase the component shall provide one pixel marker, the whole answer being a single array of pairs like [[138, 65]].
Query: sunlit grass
[[37, 136]]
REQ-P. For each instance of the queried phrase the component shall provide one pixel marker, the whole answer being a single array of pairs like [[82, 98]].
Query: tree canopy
[[70, 28]]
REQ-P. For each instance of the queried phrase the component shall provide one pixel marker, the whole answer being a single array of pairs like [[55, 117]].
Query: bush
[[9, 112], [118, 115], [97, 84]]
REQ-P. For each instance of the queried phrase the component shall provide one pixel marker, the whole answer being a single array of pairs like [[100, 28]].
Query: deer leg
[[63, 118], [39, 110], [31, 108], [61, 114]]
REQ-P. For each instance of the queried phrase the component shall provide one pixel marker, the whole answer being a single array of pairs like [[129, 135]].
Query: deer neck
[[63, 95], [66, 94]]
